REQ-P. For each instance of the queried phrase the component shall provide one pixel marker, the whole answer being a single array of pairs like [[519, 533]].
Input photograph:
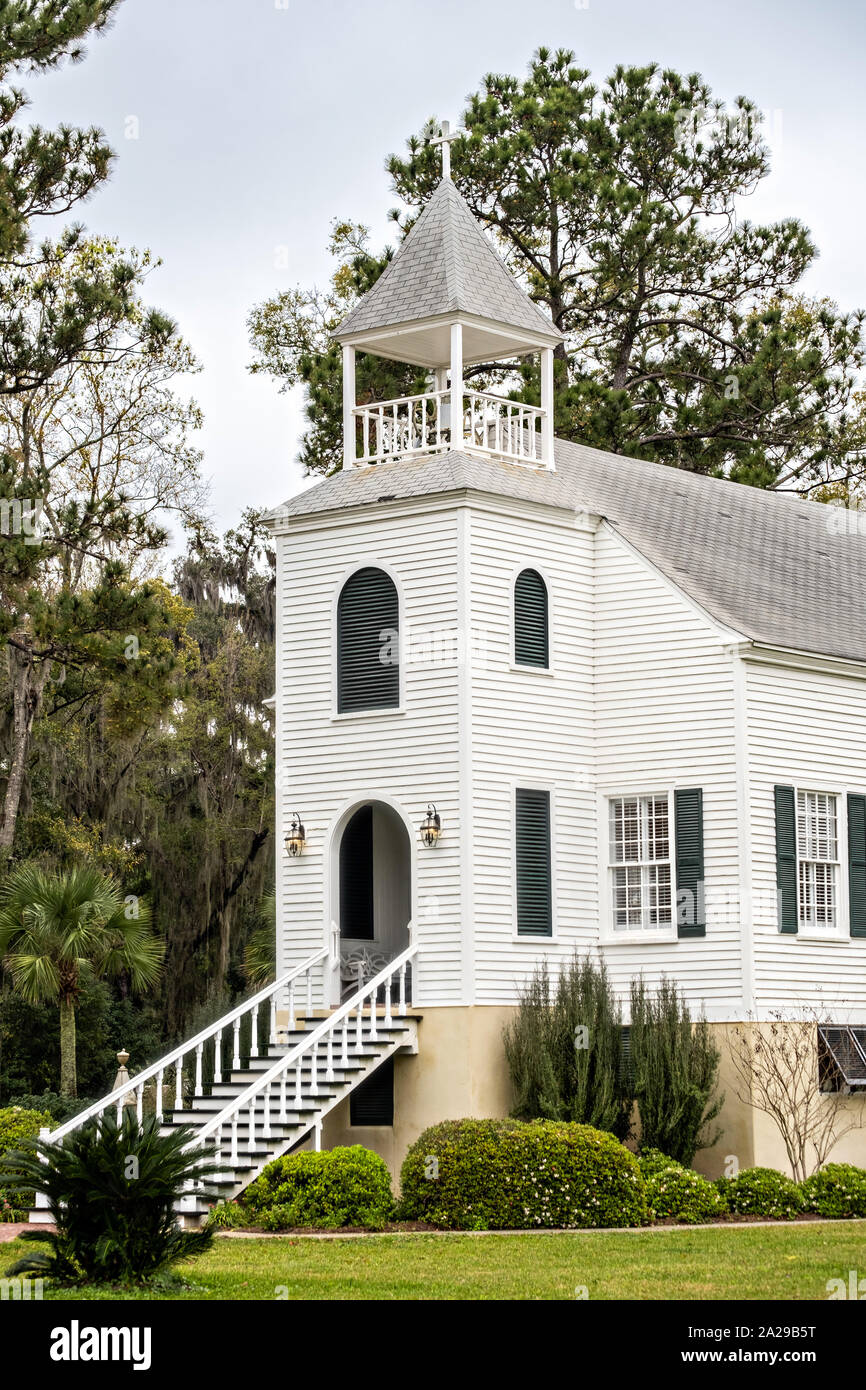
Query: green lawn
[[780, 1262]]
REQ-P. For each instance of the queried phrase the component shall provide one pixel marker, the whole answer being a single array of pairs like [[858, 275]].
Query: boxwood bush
[[17, 1124], [653, 1161], [505, 1174], [839, 1189], [338, 1187], [762, 1192], [683, 1195]]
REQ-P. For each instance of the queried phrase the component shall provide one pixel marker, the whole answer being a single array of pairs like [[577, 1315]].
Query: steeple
[[446, 301]]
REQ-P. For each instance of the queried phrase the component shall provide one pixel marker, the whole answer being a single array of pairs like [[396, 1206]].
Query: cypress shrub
[[676, 1065], [564, 1050]]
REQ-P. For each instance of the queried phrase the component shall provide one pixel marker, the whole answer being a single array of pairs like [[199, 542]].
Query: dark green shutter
[[786, 859], [532, 827], [372, 1102], [689, 832], [368, 616], [356, 877], [626, 1061], [857, 863], [531, 647]]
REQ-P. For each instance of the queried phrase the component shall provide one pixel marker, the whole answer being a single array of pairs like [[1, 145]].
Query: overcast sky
[[259, 121]]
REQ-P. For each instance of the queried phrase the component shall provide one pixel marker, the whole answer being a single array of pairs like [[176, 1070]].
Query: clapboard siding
[[410, 757], [806, 728], [530, 729], [664, 692]]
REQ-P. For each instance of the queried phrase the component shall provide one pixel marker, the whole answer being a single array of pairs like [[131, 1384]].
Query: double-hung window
[[640, 862], [817, 860]]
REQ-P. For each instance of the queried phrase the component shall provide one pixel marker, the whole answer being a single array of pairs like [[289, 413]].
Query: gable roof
[[769, 566], [446, 265]]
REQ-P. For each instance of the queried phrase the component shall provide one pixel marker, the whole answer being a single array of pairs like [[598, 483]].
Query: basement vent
[[841, 1057]]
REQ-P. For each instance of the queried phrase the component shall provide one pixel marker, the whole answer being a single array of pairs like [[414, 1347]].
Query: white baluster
[[329, 1070], [359, 1026], [235, 1140], [119, 1111], [314, 1070], [252, 1113], [401, 1008], [283, 1111], [199, 1089], [309, 992], [254, 1041], [344, 1060], [236, 1059], [139, 1102], [380, 441], [178, 1084], [272, 1032], [299, 1095], [266, 1127], [374, 1036], [292, 1007], [218, 1057], [218, 1144], [159, 1076], [388, 1001], [366, 420]]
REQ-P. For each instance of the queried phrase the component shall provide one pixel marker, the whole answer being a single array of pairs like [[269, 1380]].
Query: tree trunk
[[28, 683], [68, 1068]]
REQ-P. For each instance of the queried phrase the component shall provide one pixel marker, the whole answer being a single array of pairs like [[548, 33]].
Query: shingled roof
[[446, 265], [768, 566]]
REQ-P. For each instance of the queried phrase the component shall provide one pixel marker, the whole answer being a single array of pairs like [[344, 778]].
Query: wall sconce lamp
[[431, 827], [296, 838]]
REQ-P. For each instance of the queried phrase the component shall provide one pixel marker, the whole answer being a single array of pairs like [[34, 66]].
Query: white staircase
[[266, 1100]]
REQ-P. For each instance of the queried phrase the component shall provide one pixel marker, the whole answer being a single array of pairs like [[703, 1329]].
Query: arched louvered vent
[[531, 646], [368, 659]]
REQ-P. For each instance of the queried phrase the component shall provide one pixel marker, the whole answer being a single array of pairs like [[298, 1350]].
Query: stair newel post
[[159, 1079], [254, 1041], [199, 1090], [266, 1105], [218, 1057], [178, 1084], [314, 1070], [345, 1053], [235, 1139], [272, 1030], [401, 1007], [329, 1070], [236, 1054], [283, 1115], [299, 1095]]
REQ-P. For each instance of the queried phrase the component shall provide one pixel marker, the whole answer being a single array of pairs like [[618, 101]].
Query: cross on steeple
[[445, 140]]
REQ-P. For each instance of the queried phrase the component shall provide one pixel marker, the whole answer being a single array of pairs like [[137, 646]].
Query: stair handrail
[[116, 1098], [324, 1030]]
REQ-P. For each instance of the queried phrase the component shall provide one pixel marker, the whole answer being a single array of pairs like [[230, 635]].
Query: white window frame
[[811, 931], [632, 935]]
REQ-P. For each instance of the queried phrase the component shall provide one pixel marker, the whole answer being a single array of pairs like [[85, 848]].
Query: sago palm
[[55, 924]]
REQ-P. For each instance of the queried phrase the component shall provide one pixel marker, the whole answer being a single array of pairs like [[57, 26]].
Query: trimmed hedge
[[653, 1161], [682, 1194], [16, 1125], [837, 1190], [337, 1187], [505, 1174], [762, 1192]]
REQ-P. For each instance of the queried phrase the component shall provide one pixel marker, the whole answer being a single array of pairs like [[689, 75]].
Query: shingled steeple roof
[[447, 266]]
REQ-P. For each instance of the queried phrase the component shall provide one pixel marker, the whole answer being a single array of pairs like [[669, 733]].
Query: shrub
[[762, 1192], [683, 1194], [338, 1187], [676, 1065], [228, 1216], [839, 1189], [653, 1161], [501, 1174], [17, 1125], [111, 1194], [558, 1072]]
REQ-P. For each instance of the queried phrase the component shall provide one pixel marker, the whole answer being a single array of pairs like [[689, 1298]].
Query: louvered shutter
[[532, 826], [531, 646], [372, 1102], [368, 618], [689, 833], [356, 877], [857, 863], [786, 859]]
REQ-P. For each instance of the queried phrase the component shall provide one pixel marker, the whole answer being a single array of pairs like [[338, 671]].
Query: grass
[[778, 1262]]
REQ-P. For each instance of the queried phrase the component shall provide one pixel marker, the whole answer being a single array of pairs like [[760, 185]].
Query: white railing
[[342, 1033], [415, 425], [300, 978]]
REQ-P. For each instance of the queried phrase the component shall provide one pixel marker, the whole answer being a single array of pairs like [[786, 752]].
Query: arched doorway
[[374, 892]]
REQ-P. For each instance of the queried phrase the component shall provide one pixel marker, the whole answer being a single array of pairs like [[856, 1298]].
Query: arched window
[[368, 652], [531, 646]]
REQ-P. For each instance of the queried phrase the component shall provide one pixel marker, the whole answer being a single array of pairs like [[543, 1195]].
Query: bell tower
[[445, 302]]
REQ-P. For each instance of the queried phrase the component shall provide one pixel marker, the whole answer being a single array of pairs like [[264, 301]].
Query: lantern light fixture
[[296, 838], [431, 827]]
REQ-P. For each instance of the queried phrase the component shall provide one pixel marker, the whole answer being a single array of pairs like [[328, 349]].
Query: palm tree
[[54, 924]]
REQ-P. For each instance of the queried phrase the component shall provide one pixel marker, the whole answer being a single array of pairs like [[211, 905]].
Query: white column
[[348, 406], [547, 407], [457, 386]]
